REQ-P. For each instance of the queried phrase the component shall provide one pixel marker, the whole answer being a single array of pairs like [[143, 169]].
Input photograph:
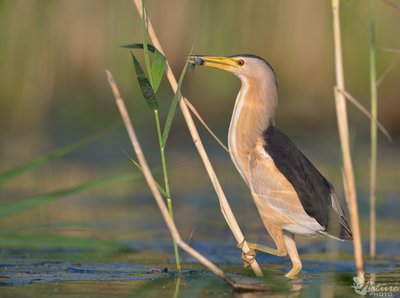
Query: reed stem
[[343, 127], [374, 133]]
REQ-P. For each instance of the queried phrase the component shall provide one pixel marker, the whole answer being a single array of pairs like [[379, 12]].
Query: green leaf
[[38, 200], [174, 103], [157, 69], [19, 170], [145, 85], [150, 47], [145, 45], [158, 66], [27, 239]]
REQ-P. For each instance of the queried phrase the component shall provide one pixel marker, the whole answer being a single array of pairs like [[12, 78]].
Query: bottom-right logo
[[371, 288]]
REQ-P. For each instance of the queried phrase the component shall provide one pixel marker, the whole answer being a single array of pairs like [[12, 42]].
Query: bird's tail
[[345, 231], [340, 231]]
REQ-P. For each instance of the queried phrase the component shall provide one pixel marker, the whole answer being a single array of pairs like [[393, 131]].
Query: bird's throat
[[252, 114]]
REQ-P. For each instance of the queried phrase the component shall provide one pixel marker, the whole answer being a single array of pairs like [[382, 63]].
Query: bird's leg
[[293, 254], [249, 256], [266, 249]]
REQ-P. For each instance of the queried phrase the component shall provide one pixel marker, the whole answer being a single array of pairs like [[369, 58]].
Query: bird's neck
[[253, 112]]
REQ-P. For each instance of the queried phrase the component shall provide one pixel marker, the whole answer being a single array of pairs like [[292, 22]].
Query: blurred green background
[[53, 91]]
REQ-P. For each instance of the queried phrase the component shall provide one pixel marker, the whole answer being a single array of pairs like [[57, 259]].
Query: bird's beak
[[224, 63]]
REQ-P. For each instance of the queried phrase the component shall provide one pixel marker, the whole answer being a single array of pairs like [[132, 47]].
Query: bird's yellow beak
[[224, 63]]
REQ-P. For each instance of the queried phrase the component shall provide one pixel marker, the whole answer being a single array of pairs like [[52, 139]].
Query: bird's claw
[[294, 272], [248, 257]]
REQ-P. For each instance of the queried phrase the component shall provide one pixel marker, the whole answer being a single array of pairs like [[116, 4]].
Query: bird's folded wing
[[272, 191], [315, 193]]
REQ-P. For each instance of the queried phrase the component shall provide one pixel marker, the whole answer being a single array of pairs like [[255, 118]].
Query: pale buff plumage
[[277, 202]]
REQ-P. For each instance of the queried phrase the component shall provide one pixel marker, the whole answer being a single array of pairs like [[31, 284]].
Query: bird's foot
[[294, 272], [248, 257]]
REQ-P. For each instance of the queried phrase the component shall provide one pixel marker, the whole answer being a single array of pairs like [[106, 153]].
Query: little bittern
[[291, 195]]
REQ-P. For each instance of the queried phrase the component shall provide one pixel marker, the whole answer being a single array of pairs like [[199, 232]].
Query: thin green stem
[[166, 182], [145, 45], [162, 151], [177, 285], [176, 251], [374, 133]]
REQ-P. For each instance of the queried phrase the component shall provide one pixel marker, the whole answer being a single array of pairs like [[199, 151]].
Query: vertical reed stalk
[[166, 183], [225, 208], [374, 133], [341, 113]]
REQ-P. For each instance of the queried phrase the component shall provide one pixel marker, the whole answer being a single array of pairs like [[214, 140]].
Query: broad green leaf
[[145, 85], [150, 47], [158, 66], [157, 69], [145, 45], [174, 103], [18, 238], [19, 170], [38, 200]]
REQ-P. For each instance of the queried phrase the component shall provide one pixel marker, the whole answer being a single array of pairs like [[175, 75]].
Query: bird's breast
[[249, 120], [238, 138]]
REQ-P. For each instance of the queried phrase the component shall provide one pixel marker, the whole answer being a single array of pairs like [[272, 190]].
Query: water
[[63, 279], [59, 273], [114, 243]]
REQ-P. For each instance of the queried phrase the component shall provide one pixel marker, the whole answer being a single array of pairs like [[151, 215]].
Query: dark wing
[[316, 194]]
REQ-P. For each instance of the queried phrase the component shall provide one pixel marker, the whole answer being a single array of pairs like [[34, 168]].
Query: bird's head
[[256, 74], [244, 66]]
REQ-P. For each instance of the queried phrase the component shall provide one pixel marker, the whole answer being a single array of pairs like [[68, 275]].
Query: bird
[[292, 197]]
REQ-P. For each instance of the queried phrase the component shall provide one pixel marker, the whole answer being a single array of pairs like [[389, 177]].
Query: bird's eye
[[240, 62]]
